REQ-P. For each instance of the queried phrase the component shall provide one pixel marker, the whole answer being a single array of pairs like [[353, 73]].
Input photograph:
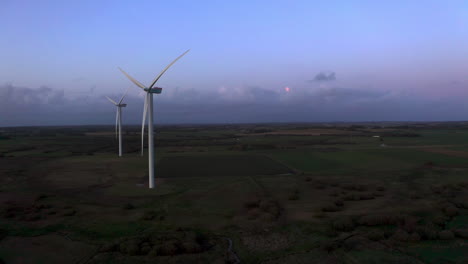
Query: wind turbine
[[118, 120], [148, 108]]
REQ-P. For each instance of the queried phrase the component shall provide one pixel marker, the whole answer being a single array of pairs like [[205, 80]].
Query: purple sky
[[341, 60]]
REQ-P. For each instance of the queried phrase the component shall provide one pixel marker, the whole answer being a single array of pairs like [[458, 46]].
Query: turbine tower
[[118, 120], [148, 108]]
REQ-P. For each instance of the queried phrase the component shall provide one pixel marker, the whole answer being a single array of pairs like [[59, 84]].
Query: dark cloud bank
[[324, 77], [20, 106]]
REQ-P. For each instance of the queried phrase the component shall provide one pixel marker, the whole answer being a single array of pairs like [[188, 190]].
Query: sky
[[250, 61]]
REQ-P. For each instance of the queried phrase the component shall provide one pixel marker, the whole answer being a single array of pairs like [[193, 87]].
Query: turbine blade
[[133, 80], [145, 110], [112, 101], [123, 96], [116, 122], [165, 69]]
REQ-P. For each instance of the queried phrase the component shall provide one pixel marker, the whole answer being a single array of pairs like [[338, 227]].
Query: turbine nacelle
[[122, 105], [156, 90]]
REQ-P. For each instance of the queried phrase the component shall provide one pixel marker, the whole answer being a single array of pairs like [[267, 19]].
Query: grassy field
[[279, 193]]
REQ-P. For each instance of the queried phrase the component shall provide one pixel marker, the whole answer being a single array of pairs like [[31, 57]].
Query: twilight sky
[[250, 61]]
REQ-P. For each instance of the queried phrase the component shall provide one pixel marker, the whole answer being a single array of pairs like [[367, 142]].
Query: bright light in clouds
[[287, 89]]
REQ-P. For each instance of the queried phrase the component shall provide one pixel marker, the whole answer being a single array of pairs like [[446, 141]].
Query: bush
[[366, 196], [414, 237], [446, 235], [462, 204], [344, 224], [339, 202], [401, 235], [169, 248], [41, 197], [128, 206], [69, 213], [130, 247], [409, 224], [440, 220], [428, 232], [376, 235], [191, 247], [294, 195], [252, 203], [271, 207], [462, 233], [378, 219], [450, 211], [351, 197], [154, 215], [380, 188], [331, 208]]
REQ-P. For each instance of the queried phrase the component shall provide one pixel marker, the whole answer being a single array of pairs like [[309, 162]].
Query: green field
[[218, 165], [280, 193]]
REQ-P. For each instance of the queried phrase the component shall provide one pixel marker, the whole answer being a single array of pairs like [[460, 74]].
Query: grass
[[460, 221], [208, 165], [367, 160], [206, 178], [435, 252]]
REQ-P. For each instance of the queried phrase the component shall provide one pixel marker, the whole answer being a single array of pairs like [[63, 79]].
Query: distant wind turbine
[[148, 108], [118, 120]]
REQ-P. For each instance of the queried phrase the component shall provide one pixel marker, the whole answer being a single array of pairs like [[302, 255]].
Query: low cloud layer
[[324, 77], [20, 106]]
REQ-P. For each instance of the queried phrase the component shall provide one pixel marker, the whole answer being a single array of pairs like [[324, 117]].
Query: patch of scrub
[[40, 250], [219, 165]]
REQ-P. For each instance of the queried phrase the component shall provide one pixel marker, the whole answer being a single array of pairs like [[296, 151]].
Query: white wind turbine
[[118, 120], [148, 108]]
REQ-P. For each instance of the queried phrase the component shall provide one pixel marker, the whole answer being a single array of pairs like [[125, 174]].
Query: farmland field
[[267, 193]]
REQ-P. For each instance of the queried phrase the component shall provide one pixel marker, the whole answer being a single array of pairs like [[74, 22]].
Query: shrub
[[378, 219], [69, 213], [154, 215], [428, 232], [130, 247], [253, 213], [169, 248], [450, 211], [331, 208], [446, 235], [271, 207], [252, 203], [339, 202], [409, 224], [345, 224], [462, 233], [414, 237], [191, 247], [351, 197], [366, 196], [439, 220], [293, 196], [128, 206], [462, 204], [401, 235], [376, 235], [41, 196]]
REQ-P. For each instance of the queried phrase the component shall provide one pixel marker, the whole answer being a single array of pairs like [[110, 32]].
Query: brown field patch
[[306, 132], [40, 249], [455, 153]]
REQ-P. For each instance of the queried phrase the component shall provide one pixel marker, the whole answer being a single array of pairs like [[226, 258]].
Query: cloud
[[324, 77], [21, 106]]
